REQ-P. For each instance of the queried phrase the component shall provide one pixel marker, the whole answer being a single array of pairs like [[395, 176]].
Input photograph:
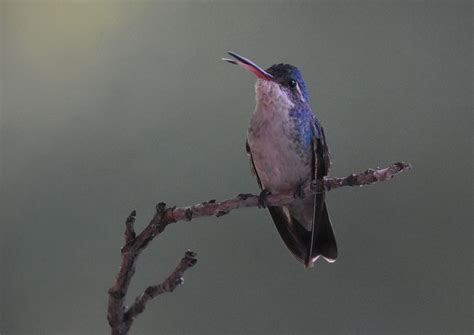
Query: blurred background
[[112, 106]]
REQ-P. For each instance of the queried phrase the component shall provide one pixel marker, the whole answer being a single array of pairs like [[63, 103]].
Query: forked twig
[[121, 317]]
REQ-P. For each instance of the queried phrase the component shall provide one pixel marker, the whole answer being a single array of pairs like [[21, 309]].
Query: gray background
[[114, 106]]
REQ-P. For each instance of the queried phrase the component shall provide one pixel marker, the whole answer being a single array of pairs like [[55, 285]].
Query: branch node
[[116, 294], [150, 291], [221, 213], [244, 196], [403, 166], [369, 171], [352, 179], [190, 258], [160, 208], [129, 230], [188, 214]]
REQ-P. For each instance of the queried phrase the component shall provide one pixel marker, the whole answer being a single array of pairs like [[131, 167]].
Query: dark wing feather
[[323, 241], [252, 165], [321, 156]]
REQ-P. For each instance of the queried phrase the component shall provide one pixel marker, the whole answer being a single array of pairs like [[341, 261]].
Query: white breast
[[278, 164]]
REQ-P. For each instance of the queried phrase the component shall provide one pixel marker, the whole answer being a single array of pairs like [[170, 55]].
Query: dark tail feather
[[298, 240], [324, 242]]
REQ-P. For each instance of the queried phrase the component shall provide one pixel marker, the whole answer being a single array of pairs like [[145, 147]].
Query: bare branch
[[210, 208], [120, 317], [168, 285], [130, 252]]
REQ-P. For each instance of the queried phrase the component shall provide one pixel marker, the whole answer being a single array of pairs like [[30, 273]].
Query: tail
[[324, 240], [305, 244]]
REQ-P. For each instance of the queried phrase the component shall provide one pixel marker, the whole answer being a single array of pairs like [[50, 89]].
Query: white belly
[[277, 161]]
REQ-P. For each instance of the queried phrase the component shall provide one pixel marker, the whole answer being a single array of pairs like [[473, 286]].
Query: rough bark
[[121, 317]]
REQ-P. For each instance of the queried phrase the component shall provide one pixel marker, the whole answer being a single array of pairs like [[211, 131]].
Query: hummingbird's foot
[[262, 199], [299, 192]]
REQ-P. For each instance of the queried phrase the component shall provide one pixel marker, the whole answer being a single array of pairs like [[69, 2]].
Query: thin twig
[[120, 317], [168, 285]]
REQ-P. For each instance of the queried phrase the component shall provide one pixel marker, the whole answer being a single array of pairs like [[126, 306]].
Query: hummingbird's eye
[[292, 83]]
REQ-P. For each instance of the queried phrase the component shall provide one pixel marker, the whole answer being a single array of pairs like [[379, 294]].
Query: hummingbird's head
[[280, 83]]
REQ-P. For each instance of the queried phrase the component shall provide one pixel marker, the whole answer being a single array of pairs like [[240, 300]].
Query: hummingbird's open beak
[[248, 65]]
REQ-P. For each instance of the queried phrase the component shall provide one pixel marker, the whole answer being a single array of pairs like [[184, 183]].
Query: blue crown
[[286, 72]]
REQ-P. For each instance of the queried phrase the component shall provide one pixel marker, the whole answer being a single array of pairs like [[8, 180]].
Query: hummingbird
[[287, 150]]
